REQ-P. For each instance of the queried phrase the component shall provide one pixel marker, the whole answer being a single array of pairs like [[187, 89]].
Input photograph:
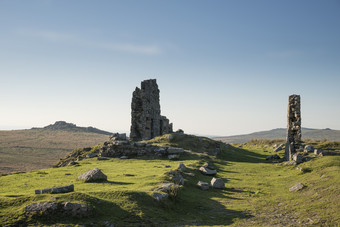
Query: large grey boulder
[[93, 175], [203, 185], [56, 190], [206, 171], [217, 183], [297, 187]]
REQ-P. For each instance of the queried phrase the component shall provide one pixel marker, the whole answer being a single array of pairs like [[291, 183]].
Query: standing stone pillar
[[146, 119], [293, 142]]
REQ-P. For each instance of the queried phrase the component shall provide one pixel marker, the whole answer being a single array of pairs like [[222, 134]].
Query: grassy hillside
[[280, 133], [257, 191], [25, 150]]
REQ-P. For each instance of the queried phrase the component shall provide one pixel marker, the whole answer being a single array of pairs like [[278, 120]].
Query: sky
[[223, 67]]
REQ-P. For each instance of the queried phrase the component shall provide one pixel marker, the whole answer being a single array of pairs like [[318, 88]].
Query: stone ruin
[[146, 119], [293, 143]]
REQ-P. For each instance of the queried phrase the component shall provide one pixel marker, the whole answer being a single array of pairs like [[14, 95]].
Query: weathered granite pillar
[[146, 119], [293, 142]]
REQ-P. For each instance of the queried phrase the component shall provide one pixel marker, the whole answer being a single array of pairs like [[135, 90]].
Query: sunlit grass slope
[[257, 191]]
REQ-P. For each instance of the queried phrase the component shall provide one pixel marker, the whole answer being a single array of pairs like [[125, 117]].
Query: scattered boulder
[[279, 148], [207, 171], [91, 155], [209, 165], [182, 167], [124, 157], [272, 157], [318, 151], [217, 183], [160, 196], [176, 177], [166, 187], [93, 175], [173, 156], [308, 149], [118, 136], [56, 190], [297, 187], [290, 163], [175, 150], [297, 157], [203, 185]]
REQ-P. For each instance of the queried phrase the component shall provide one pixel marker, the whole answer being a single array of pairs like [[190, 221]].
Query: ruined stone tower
[[293, 142], [146, 119]]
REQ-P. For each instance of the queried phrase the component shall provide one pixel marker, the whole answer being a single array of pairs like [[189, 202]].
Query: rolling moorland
[[38, 148], [280, 133], [256, 194]]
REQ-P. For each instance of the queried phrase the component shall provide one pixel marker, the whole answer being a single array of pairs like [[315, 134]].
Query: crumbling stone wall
[[293, 142], [146, 119]]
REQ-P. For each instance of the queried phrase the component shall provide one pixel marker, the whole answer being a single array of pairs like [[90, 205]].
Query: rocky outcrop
[[56, 190], [146, 119], [93, 176], [293, 140]]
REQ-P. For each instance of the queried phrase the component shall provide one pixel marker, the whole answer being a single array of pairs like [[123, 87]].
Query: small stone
[[217, 183], [102, 158], [160, 196], [182, 167], [309, 149], [203, 185], [207, 171], [297, 187], [173, 156], [124, 157], [297, 158], [167, 166]]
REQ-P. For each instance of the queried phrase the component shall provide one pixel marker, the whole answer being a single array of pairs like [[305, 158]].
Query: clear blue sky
[[223, 67]]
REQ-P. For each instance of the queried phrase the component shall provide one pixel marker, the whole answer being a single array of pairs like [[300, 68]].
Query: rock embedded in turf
[[160, 196], [173, 156], [166, 187], [42, 208], [93, 175], [182, 167], [217, 183], [91, 155], [175, 150], [297, 157], [102, 158], [297, 187], [56, 190], [207, 171], [78, 210], [203, 185]]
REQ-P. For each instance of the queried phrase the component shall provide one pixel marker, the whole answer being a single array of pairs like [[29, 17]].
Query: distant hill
[[280, 133], [62, 125], [37, 148]]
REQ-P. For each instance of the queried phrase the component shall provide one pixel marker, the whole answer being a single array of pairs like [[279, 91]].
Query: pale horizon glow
[[223, 67]]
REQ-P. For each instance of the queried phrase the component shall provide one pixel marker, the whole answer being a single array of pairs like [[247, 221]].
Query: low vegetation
[[257, 191]]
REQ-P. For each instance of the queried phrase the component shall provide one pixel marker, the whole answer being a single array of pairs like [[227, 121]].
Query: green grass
[[256, 194]]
